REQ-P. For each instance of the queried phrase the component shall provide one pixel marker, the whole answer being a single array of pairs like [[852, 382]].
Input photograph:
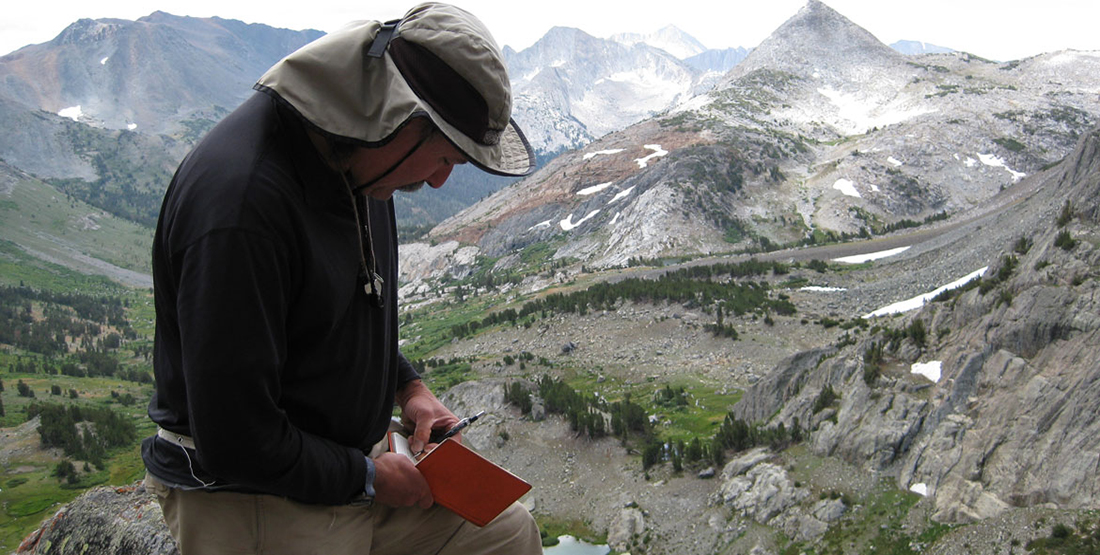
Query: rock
[[538, 412], [829, 510], [741, 464], [628, 523], [800, 526], [706, 473], [119, 521], [762, 493]]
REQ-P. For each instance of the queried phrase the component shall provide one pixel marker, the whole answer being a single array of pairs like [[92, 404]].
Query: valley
[[669, 324]]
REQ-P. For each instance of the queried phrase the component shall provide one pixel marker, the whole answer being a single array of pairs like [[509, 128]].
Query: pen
[[454, 430], [461, 424]]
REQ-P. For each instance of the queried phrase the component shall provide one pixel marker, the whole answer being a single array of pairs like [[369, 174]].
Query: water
[[572, 546]]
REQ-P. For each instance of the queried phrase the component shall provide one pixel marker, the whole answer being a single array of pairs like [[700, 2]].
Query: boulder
[[116, 520], [629, 523]]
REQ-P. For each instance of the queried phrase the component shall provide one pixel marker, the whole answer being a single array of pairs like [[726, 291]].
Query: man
[[275, 275]]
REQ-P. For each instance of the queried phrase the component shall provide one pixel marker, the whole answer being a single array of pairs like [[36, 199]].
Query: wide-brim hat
[[367, 80]]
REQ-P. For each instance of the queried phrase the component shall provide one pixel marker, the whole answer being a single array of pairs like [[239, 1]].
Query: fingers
[[419, 440], [397, 483]]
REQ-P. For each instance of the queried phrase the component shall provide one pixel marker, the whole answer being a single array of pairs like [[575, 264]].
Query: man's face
[[431, 162]]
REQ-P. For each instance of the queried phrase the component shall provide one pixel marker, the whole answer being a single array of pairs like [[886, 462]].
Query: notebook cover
[[470, 485]]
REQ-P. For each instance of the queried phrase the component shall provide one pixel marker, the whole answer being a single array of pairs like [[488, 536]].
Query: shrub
[[1022, 246], [1066, 216], [825, 398], [917, 333], [1065, 241]]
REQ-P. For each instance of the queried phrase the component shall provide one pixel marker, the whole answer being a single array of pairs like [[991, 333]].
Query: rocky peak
[[669, 38], [817, 37], [1082, 170], [88, 31]]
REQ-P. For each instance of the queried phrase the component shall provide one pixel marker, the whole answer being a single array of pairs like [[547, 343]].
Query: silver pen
[[461, 425], [454, 430]]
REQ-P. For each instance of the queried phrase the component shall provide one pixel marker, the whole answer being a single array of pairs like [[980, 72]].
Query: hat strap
[[382, 39]]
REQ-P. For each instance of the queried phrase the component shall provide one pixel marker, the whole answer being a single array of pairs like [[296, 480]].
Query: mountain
[[159, 74], [162, 81], [571, 87], [718, 61], [670, 39], [821, 133], [1009, 418], [912, 47], [977, 432]]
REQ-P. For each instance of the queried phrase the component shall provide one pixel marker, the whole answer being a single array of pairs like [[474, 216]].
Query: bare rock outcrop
[[116, 520], [1014, 418]]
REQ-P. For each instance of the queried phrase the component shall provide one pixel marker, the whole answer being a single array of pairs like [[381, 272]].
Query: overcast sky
[[995, 29]]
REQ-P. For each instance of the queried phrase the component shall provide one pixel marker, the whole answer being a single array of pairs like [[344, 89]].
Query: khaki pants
[[215, 523]]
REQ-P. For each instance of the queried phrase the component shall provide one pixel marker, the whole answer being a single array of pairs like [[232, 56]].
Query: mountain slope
[[571, 87], [1010, 417], [669, 38], [159, 74], [821, 133]]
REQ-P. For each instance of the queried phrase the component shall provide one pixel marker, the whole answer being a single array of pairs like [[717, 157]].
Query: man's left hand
[[422, 411]]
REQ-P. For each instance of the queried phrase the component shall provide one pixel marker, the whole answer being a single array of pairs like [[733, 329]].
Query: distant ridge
[[913, 47]]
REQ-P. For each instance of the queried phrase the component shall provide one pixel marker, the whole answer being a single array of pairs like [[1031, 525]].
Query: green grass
[[876, 526], [555, 526], [40, 217], [705, 411], [29, 492]]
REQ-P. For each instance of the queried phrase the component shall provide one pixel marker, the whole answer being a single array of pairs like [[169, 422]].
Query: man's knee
[[522, 536]]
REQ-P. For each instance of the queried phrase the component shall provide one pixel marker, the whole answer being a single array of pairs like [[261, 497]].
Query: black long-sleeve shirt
[[268, 351]]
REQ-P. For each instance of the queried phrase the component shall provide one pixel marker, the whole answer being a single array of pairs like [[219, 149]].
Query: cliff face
[[1014, 418]]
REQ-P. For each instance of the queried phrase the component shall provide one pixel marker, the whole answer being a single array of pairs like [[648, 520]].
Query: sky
[[999, 30]]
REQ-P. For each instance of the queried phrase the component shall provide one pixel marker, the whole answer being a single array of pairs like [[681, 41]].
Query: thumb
[[420, 437]]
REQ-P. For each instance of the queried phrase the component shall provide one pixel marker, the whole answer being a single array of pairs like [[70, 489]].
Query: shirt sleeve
[[232, 305], [405, 371]]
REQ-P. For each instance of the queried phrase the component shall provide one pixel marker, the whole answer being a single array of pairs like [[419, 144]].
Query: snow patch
[[568, 225], [874, 188], [917, 302], [930, 370], [131, 126], [594, 189], [72, 112], [657, 151], [920, 489], [894, 162], [615, 219], [591, 155], [621, 195], [823, 289], [861, 258], [540, 225], [847, 187], [996, 162], [103, 62]]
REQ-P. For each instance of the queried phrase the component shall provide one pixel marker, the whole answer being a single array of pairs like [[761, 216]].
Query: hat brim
[[512, 156], [330, 84]]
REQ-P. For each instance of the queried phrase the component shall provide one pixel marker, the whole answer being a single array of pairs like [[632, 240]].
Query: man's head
[[418, 153], [367, 83]]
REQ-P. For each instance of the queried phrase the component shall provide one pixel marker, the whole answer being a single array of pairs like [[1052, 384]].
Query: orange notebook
[[463, 481]]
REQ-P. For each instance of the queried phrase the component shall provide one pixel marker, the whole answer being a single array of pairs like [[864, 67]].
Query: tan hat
[[438, 61]]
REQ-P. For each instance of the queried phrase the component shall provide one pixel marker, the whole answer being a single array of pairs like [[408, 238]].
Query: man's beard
[[411, 187]]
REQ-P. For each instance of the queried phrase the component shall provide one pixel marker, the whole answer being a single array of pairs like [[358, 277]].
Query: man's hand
[[397, 483], [421, 411]]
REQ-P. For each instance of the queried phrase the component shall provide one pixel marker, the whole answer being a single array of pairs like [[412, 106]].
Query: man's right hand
[[397, 483]]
